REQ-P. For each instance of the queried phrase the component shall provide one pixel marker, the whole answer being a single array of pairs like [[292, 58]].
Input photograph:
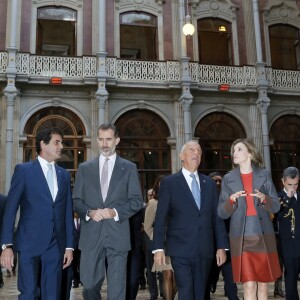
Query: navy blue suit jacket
[[289, 241], [188, 231], [40, 216]]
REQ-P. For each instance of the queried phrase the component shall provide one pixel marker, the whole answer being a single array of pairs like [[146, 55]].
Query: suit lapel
[[203, 186], [41, 177], [59, 181], [95, 176], [117, 173]]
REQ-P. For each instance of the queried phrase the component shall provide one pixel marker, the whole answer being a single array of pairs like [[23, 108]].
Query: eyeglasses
[[218, 181]]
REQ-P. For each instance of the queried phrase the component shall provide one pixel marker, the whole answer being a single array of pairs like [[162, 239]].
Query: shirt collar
[[112, 158], [187, 173], [44, 162]]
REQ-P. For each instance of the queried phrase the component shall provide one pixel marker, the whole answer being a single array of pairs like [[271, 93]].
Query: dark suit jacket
[[188, 231], [124, 194], [289, 241], [40, 216]]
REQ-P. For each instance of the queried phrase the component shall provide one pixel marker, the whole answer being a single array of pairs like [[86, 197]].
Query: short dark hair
[[107, 126], [213, 174], [45, 135], [290, 172]]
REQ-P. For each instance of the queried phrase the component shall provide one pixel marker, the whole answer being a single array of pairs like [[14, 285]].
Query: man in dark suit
[[104, 204], [231, 290], [134, 255], [186, 224], [44, 237], [288, 219], [2, 206], [76, 256]]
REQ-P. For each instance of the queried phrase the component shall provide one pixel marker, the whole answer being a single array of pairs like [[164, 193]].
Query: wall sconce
[[222, 29], [188, 28]]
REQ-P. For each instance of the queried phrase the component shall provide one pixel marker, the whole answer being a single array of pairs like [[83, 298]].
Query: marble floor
[[9, 291]]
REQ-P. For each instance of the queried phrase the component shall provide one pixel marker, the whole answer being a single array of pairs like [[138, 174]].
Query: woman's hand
[[261, 196], [234, 196]]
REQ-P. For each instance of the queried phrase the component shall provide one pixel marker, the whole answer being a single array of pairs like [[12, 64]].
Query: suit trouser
[[291, 271], [133, 275], [231, 290], [94, 265], [191, 276], [39, 277]]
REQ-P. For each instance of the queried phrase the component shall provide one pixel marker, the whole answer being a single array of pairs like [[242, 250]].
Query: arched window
[[51, 39], [215, 42], [74, 151], [285, 145], [216, 132], [144, 141], [285, 47], [138, 36]]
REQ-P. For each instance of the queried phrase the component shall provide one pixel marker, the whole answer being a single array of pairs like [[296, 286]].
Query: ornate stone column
[[186, 97], [263, 100], [102, 93], [10, 93]]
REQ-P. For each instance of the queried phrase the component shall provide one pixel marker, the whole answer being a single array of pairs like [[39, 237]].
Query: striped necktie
[[104, 179], [196, 190]]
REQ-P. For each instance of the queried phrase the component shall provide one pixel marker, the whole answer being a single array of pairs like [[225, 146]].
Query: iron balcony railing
[[168, 73]]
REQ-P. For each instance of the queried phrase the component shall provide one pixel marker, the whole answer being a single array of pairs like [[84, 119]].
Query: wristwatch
[[4, 246]]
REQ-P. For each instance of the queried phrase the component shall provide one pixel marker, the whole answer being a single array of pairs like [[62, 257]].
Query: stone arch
[[144, 141], [54, 102], [284, 144], [146, 106], [216, 132], [75, 148]]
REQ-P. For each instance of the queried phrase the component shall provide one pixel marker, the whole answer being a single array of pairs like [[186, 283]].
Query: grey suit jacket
[[124, 195]]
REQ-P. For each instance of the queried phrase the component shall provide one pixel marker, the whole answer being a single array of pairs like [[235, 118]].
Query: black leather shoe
[[1, 284], [279, 292]]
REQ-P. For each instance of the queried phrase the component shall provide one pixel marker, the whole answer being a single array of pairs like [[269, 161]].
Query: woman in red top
[[249, 197]]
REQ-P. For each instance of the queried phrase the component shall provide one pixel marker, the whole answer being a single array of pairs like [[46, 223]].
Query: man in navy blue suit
[[44, 237], [186, 228], [288, 219]]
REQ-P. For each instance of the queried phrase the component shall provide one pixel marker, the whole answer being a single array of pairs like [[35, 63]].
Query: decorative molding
[[151, 6], [224, 9], [279, 11], [73, 3], [56, 102]]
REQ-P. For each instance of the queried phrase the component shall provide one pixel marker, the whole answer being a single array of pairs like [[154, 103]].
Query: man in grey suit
[[104, 204]]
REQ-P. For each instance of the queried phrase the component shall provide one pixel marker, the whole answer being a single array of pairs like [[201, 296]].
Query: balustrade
[[146, 72]]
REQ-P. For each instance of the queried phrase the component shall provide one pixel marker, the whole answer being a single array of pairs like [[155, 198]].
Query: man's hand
[[7, 258], [160, 258], [221, 257], [68, 257], [101, 214]]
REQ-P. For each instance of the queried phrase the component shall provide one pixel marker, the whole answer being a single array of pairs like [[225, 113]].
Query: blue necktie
[[196, 190], [50, 180]]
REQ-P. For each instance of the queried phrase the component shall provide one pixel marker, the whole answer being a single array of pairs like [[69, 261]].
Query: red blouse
[[248, 186]]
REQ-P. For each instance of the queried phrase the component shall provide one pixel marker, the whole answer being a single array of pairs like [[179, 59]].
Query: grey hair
[[185, 144], [290, 172]]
